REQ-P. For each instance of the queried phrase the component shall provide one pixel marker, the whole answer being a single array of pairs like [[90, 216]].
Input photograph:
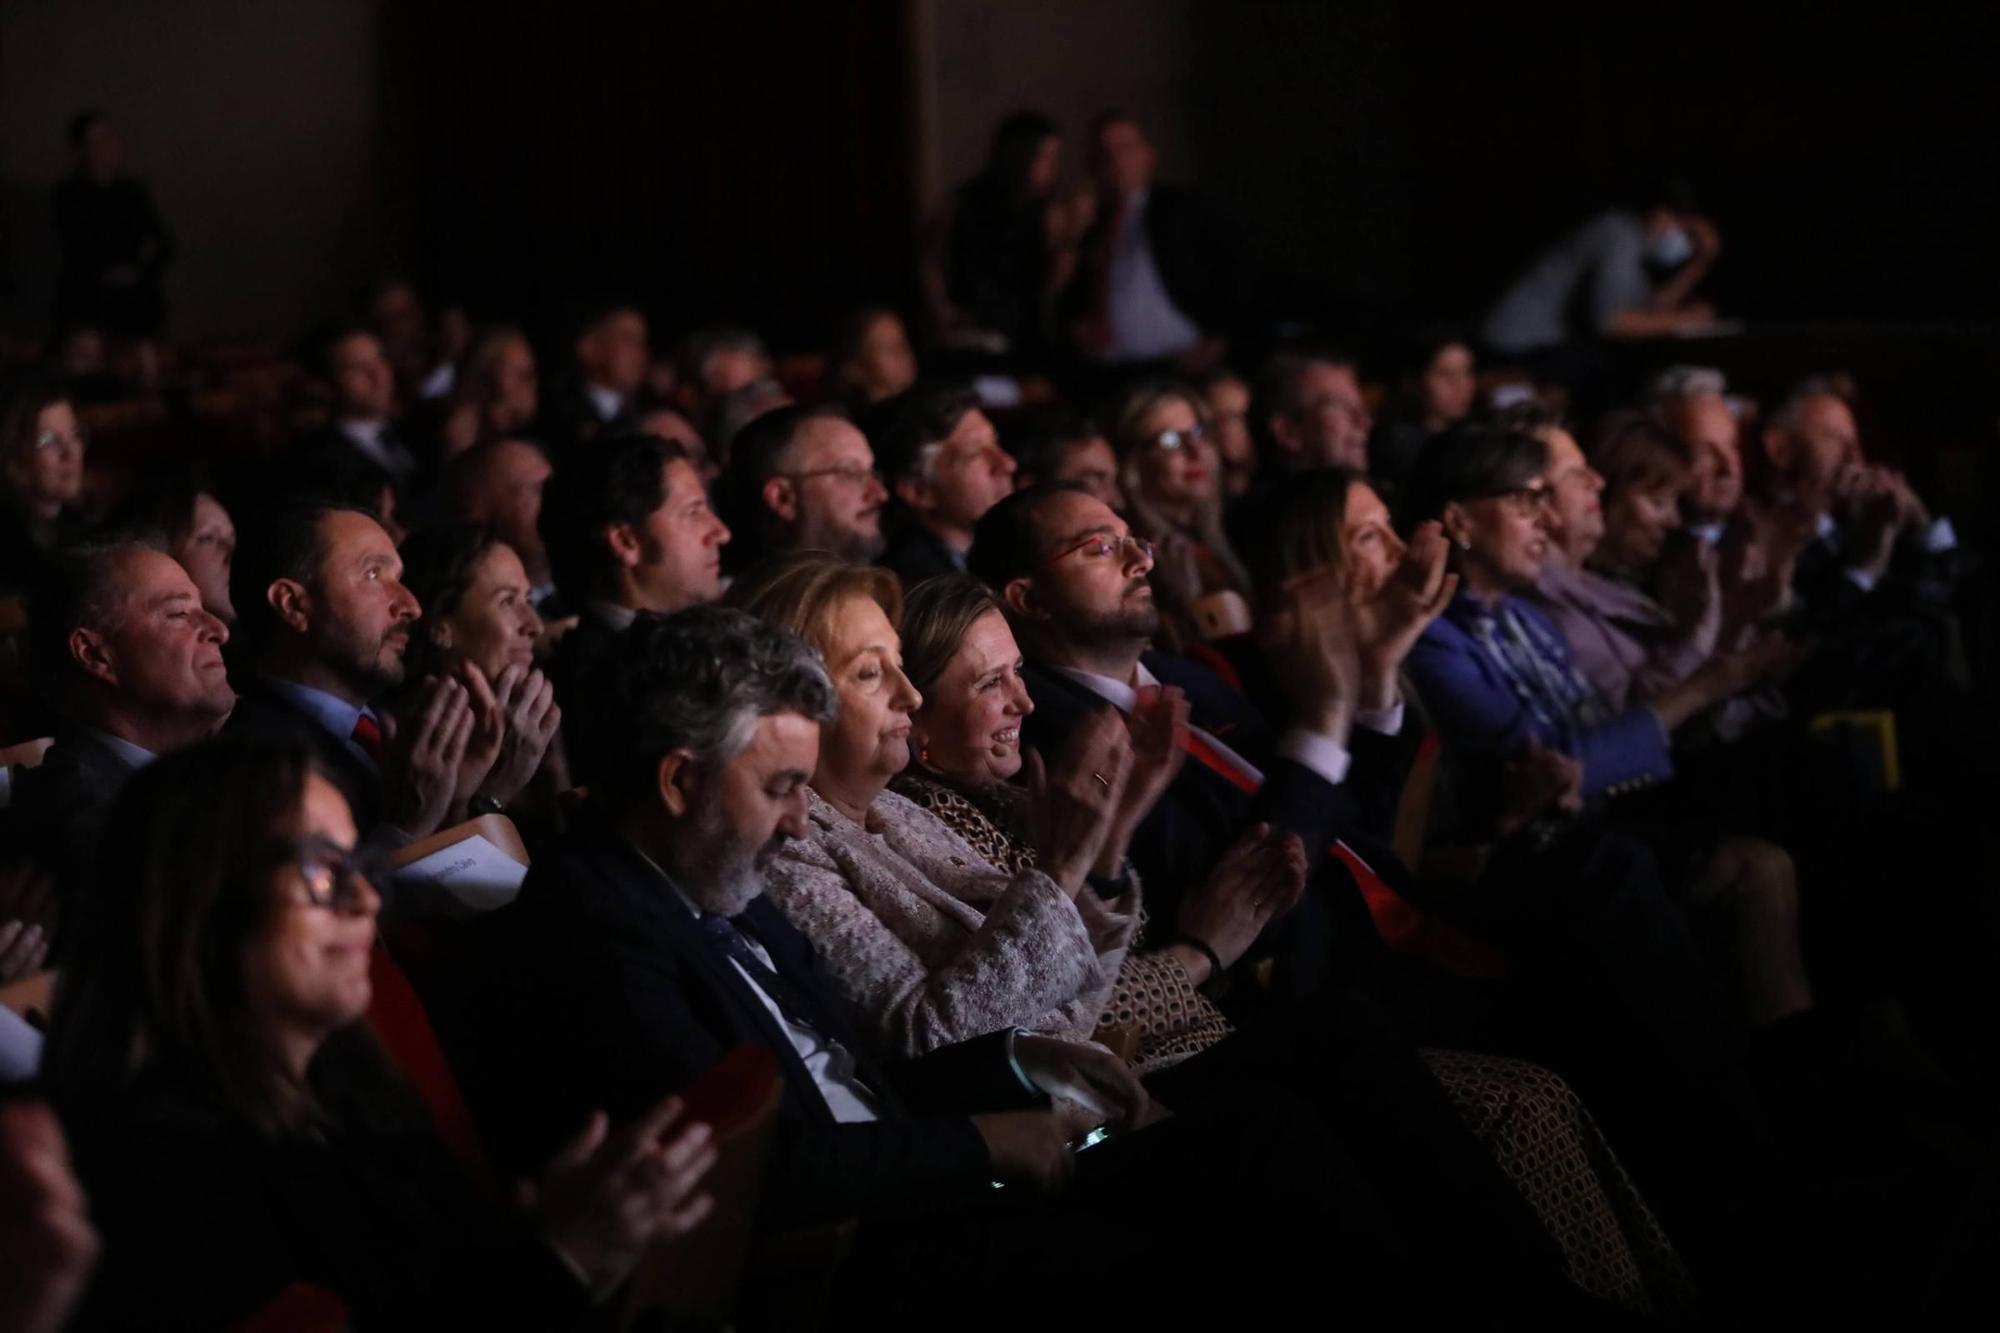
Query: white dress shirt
[[1321, 753]]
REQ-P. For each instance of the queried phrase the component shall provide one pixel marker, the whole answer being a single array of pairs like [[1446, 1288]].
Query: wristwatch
[[482, 804]]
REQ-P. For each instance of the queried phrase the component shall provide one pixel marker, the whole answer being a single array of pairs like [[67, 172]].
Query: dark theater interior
[[812, 664]]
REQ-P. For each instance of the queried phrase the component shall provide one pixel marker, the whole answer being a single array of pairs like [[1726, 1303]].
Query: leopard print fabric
[[1152, 993]]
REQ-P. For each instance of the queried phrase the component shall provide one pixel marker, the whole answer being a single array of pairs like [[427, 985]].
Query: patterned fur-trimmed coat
[[933, 943]]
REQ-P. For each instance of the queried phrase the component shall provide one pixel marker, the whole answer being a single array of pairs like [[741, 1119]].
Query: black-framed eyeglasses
[[1101, 544], [333, 875], [1170, 440], [1526, 501]]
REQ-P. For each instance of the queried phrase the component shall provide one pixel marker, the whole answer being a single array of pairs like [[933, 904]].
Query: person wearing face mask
[[1625, 273]]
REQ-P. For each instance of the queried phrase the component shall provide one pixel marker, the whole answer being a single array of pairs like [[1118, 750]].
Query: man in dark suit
[[642, 951], [942, 460], [1073, 580], [628, 528], [1161, 279], [124, 651], [1877, 579], [362, 438], [1587, 914], [612, 353], [324, 625]]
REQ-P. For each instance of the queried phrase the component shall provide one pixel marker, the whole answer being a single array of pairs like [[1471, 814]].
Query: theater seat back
[[397, 1015]]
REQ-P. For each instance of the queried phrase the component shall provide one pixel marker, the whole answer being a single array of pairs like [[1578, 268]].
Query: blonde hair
[[1130, 438], [801, 592]]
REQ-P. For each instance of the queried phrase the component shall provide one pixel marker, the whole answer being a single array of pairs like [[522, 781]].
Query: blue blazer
[[1479, 716]]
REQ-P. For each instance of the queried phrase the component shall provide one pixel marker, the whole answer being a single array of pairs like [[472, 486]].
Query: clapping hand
[[606, 1197], [1077, 803], [1261, 877], [1388, 624], [426, 755]]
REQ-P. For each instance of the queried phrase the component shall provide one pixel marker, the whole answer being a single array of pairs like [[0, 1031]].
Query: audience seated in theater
[[962, 658], [1004, 245], [871, 357], [175, 509], [629, 529], [239, 1131], [1435, 389], [611, 352], [1073, 580], [132, 665], [1160, 279], [479, 626], [324, 624], [500, 485], [931, 942], [1498, 679], [803, 479], [1629, 647], [1226, 394], [934, 943], [41, 469], [649, 950], [363, 425], [1172, 479], [941, 458], [495, 395]]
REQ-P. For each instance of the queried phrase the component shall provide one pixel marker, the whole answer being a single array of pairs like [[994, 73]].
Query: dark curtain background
[[747, 161], [1399, 158]]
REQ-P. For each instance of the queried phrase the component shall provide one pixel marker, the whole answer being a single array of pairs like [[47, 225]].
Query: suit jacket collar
[[640, 891]]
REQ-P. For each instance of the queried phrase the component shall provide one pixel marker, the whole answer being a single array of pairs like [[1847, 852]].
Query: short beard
[[719, 870], [852, 545], [1114, 629]]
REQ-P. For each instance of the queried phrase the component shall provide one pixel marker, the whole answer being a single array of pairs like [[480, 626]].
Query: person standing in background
[[114, 244]]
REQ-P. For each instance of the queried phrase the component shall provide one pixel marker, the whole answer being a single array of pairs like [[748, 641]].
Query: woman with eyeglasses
[[237, 1128], [41, 478], [940, 930], [1171, 473], [1493, 670]]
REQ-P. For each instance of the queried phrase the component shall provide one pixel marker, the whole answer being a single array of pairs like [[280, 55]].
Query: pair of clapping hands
[[467, 737]]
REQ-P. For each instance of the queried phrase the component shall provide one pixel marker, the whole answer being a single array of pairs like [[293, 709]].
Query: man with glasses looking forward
[[803, 479]]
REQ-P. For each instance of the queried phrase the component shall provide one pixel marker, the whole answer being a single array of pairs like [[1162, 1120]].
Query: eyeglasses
[[1171, 440], [54, 439], [1101, 544], [333, 875], [1527, 501], [851, 473]]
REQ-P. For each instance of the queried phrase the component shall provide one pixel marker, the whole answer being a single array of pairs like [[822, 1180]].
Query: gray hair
[[1677, 384], [697, 680], [80, 587]]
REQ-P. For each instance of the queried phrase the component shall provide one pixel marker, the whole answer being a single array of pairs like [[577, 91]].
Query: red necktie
[[1404, 926], [367, 734]]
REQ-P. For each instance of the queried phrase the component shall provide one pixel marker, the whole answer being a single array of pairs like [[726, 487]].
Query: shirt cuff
[[1014, 1063], [1382, 721], [1322, 754], [1940, 537]]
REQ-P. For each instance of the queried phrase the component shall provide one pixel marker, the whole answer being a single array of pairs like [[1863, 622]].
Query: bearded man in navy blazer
[[642, 950]]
